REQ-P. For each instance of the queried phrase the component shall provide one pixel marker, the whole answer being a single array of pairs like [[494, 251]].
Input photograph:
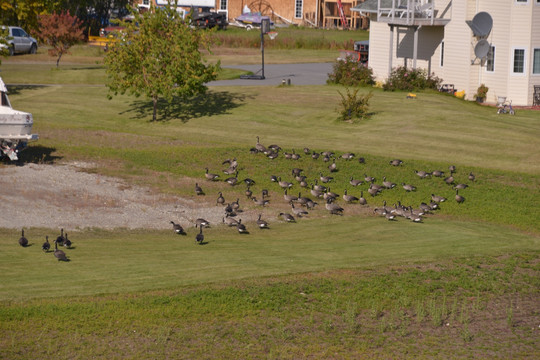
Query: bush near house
[[406, 79], [351, 73]]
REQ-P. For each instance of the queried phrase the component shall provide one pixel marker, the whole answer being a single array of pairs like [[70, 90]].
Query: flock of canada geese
[[61, 240], [319, 189]]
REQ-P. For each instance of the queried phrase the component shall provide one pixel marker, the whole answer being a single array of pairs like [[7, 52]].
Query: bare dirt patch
[[70, 196]]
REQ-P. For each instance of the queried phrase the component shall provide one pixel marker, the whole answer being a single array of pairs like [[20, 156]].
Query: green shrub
[[402, 78], [354, 106], [350, 73]]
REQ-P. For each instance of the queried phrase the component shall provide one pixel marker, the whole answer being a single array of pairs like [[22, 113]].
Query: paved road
[[299, 74]]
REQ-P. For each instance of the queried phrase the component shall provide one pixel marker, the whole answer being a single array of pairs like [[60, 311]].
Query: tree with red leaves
[[60, 31]]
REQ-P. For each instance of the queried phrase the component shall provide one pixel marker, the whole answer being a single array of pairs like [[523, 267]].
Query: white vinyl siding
[[536, 61], [519, 61]]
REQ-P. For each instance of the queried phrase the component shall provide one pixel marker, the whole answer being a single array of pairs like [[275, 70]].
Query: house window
[[523, 1], [146, 2], [536, 61], [519, 61], [442, 54], [490, 59], [299, 4], [223, 4]]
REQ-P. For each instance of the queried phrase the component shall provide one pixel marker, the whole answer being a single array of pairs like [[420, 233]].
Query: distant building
[[500, 50]]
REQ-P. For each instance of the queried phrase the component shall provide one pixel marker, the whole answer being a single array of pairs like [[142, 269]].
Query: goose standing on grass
[[287, 217], [260, 147], [354, 182], [241, 227], [459, 198], [298, 211], [437, 173], [472, 177], [408, 187], [46, 245], [200, 236], [388, 184], [210, 176], [60, 239], [67, 242], [325, 179], [198, 189], [333, 167], [284, 184], [349, 198], [362, 200], [248, 192], [261, 224], [59, 254], [289, 197], [23, 241], [315, 155], [396, 162], [202, 222], [461, 186], [261, 202], [450, 179], [334, 209], [369, 179], [177, 228], [229, 221], [438, 198], [233, 180]]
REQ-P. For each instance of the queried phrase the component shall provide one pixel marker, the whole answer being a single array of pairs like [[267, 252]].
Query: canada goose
[[307, 150], [334, 209], [437, 198], [67, 242], [396, 162], [284, 184], [414, 217], [461, 186], [264, 193], [229, 221], [452, 168], [315, 155], [354, 182], [274, 178], [472, 177], [421, 174], [325, 179], [303, 184], [362, 200], [249, 182], [177, 228], [260, 147], [274, 147], [349, 198], [369, 178], [287, 155], [198, 189], [233, 180], [315, 192], [437, 173], [433, 205], [46, 245], [23, 241], [298, 211], [408, 187], [289, 197], [450, 179], [261, 202], [210, 176], [388, 184], [201, 222], [389, 216], [261, 223], [248, 192], [311, 204], [330, 195], [326, 158], [272, 155], [59, 254], [296, 171], [287, 217], [232, 162], [318, 187], [425, 207], [60, 239], [459, 198], [229, 209], [333, 167], [229, 171], [241, 227], [200, 236], [220, 199], [373, 190], [347, 156], [302, 200], [295, 156], [236, 204]]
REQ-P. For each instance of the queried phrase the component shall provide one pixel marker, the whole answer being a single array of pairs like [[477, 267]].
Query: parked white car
[[18, 41]]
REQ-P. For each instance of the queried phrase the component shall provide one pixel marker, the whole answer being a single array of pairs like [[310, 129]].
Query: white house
[[464, 42]]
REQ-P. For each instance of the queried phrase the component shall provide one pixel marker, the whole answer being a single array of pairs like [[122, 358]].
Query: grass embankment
[[462, 284]]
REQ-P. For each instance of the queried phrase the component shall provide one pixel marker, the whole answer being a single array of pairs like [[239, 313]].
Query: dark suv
[[19, 41]]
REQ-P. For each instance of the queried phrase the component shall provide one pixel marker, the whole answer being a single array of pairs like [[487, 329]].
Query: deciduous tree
[[60, 31], [4, 50], [158, 55]]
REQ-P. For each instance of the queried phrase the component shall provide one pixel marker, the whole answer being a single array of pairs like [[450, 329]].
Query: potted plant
[[481, 93]]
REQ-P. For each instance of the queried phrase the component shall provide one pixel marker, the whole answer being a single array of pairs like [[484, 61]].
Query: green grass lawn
[[464, 283]]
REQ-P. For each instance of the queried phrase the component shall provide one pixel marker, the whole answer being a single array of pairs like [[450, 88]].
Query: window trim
[[226, 2], [491, 46], [522, 2], [512, 63], [298, 8], [532, 61]]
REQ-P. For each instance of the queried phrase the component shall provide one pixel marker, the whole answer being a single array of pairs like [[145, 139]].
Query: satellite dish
[[481, 49], [481, 24]]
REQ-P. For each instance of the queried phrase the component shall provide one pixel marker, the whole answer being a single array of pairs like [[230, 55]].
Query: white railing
[[406, 11]]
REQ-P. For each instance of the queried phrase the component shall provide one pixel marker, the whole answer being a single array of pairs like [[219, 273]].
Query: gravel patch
[[68, 196]]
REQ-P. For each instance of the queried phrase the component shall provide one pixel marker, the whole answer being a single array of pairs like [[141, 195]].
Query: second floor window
[[299, 4]]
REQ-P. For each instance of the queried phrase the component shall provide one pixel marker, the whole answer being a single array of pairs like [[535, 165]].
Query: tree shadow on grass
[[17, 89], [210, 104]]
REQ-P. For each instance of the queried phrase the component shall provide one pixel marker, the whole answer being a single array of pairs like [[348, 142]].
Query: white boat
[[15, 127]]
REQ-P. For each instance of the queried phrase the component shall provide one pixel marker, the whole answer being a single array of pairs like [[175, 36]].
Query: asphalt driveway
[[298, 74]]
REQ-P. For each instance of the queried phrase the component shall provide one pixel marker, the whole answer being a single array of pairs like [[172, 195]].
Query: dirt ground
[[70, 196]]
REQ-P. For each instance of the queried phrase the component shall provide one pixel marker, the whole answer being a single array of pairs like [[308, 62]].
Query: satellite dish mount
[[481, 26]]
